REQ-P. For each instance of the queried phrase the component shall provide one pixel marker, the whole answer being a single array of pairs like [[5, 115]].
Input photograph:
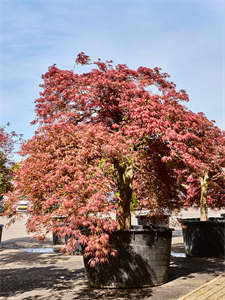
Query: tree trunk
[[124, 180], [203, 201]]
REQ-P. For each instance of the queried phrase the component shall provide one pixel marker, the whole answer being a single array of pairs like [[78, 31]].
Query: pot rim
[[143, 228]]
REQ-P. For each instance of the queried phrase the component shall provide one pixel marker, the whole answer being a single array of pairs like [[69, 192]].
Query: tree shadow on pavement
[[84, 292], [185, 267], [14, 258], [25, 242], [67, 280], [59, 283], [21, 280]]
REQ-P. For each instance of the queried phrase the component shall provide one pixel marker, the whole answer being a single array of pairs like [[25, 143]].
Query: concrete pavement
[[30, 275]]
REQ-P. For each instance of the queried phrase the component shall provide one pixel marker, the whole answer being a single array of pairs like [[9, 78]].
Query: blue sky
[[184, 38]]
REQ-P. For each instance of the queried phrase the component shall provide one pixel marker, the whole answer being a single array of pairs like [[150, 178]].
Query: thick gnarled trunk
[[124, 180], [203, 200]]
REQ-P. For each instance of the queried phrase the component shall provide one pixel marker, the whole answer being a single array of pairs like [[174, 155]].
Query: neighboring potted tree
[[206, 188], [143, 218], [102, 133]]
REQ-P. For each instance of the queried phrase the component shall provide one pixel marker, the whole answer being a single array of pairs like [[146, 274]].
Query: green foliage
[[133, 203], [102, 163], [5, 176], [16, 166], [123, 178]]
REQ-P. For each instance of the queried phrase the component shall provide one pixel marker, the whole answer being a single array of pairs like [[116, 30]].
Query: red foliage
[[208, 155], [93, 129], [82, 59]]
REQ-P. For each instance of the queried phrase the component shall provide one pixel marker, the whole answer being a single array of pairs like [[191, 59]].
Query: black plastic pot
[[204, 238], [1, 228], [146, 221], [57, 239], [78, 250], [143, 259]]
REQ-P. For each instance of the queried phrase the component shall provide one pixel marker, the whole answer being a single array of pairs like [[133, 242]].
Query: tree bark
[[203, 200], [124, 180]]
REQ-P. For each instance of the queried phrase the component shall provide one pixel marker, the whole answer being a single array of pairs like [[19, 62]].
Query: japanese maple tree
[[205, 175], [104, 141]]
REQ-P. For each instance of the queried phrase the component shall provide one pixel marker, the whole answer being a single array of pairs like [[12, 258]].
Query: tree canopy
[[105, 141], [206, 178]]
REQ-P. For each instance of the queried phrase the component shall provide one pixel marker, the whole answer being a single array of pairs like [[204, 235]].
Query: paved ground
[[27, 275]]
